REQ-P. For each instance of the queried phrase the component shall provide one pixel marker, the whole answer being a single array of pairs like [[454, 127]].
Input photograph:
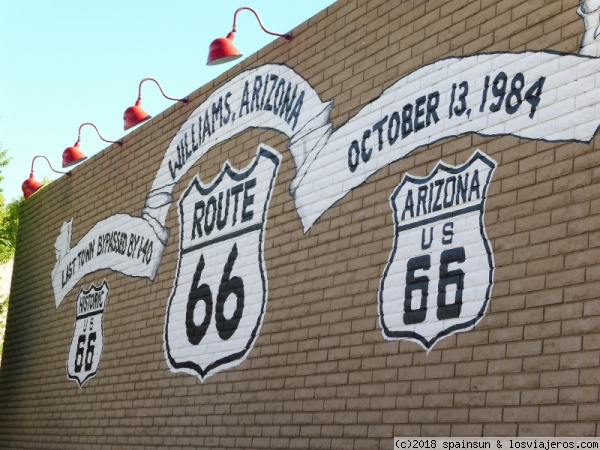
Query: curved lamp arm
[[31, 185], [288, 36], [185, 100], [50, 164], [101, 137]]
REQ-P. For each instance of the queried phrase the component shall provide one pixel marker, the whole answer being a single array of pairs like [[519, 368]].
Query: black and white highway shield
[[439, 277], [220, 293], [88, 337]]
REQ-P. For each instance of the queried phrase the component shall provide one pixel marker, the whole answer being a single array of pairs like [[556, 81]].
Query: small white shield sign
[[439, 277], [88, 338], [220, 293]]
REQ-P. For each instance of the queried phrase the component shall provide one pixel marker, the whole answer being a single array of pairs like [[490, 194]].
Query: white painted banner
[[535, 95], [269, 97], [122, 243]]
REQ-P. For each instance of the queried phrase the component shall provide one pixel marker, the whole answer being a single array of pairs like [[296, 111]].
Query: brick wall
[[319, 368]]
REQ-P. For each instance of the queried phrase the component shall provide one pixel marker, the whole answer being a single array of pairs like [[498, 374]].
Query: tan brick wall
[[320, 373]]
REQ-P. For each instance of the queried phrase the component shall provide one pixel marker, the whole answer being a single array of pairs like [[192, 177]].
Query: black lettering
[[217, 113], [449, 198], [264, 96], [229, 286], [433, 101], [353, 155], [430, 190], [70, 271], [256, 93], [198, 293], [208, 226], [182, 150], [278, 100], [200, 134], [268, 105], [123, 244], [407, 125], [287, 102], [236, 191], [365, 153], [474, 185], [392, 138], [413, 284], [436, 203], [426, 245], [448, 232], [447, 278], [462, 188], [296, 111], [179, 159], [227, 108], [187, 153], [195, 144], [422, 200], [197, 222], [379, 128], [135, 240], [206, 127], [409, 205], [248, 200], [245, 101], [419, 112], [222, 214]]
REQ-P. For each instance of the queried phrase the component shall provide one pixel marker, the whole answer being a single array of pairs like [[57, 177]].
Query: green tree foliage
[[9, 223], [9, 218], [3, 314]]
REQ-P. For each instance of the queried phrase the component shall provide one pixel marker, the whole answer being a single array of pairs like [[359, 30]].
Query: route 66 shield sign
[[220, 293], [88, 337], [439, 276]]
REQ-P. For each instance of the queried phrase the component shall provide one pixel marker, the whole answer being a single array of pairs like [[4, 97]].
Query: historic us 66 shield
[[220, 293], [88, 338], [439, 277]]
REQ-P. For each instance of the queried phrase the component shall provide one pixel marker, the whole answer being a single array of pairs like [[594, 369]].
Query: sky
[[66, 62]]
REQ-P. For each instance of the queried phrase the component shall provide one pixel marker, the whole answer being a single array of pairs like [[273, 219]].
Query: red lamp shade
[[30, 185], [134, 115], [222, 51], [72, 155]]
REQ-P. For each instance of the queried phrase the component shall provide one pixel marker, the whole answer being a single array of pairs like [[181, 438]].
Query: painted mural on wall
[[542, 95], [88, 336], [216, 309], [439, 276]]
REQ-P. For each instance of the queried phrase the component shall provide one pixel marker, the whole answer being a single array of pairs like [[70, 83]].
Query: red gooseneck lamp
[[31, 185], [222, 50], [73, 155], [134, 115]]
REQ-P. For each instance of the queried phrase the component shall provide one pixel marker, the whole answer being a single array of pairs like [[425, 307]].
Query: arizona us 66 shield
[[439, 277], [216, 309]]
